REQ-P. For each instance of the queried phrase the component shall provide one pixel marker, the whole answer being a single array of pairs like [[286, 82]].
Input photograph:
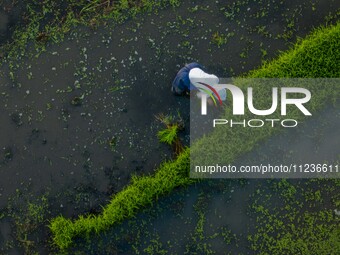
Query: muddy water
[[80, 119]]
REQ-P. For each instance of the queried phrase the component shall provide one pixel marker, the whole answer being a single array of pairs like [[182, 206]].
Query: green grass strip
[[315, 56], [142, 191]]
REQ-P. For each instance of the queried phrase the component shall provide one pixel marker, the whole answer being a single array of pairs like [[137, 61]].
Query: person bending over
[[191, 74]]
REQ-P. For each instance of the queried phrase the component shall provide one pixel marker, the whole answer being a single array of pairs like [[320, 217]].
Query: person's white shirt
[[198, 75]]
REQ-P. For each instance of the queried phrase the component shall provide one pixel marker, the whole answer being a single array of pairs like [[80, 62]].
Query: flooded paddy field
[[226, 216], [79, 119]]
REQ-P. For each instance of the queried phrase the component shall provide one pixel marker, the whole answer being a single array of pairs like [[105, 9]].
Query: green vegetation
[[315, 56], [156, 247], [219, 39], [297, 226], [28, 216], [49, 22], [199, 240], [169, 135], [141, 192]]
